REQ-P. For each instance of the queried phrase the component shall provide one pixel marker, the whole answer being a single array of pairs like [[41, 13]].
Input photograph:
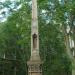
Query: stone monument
[[34, 64]]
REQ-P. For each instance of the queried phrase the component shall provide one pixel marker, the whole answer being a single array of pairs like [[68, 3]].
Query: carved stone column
[[34, 64]]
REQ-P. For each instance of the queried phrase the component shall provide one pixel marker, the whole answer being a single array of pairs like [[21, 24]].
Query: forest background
[[56, 34]]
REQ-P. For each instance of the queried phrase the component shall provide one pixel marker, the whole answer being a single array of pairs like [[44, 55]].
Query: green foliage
[[15, 38]]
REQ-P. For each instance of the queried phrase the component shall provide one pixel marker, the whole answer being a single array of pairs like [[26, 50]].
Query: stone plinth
[[34, 67]]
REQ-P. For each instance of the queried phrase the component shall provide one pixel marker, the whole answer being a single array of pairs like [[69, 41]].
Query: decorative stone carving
[[34, 64]]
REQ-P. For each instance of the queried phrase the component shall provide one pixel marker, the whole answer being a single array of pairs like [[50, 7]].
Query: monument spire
[[34, 33], [34, 64], [34, 9]]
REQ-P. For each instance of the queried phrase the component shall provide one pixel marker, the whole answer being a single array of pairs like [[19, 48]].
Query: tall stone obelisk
[[34, 64]]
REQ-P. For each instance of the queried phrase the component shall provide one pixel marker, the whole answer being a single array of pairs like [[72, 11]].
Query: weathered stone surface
[[34, 64]]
